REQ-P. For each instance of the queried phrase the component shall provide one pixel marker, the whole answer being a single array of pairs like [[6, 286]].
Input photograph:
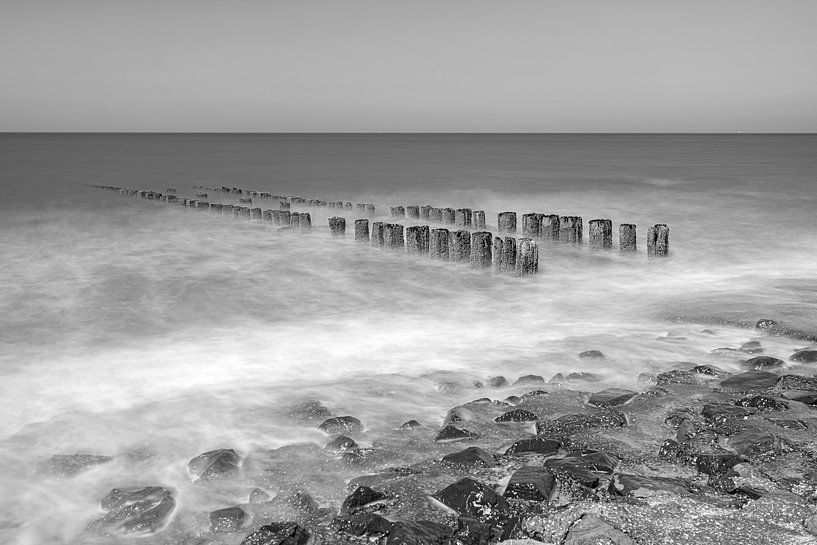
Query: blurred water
[[135, 327]]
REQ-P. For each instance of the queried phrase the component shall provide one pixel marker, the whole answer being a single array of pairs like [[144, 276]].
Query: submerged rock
[[804, 356], [710, 371], [572, 423], [340, 424], [497, 382], [278, 533], [789, 424], [809, 398], [341, 443], [592, 530], [758, 363], [534, 445], [751, 380], [257, 496], [214, 465], [762, 403], [752, 442], [529, 379], [797, 382], [227, 520], [611, 397], [410, 425], [135, 510], [471, 498], [534, 483], [361, 524], [591, 355], [471, 457], [450, 434], [640, 486], [751, 347], [362, 495], [65, 466], [309, 410], [721, 413], [516, 415]]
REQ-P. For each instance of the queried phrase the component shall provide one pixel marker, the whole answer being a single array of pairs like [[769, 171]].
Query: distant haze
[[340, 65]]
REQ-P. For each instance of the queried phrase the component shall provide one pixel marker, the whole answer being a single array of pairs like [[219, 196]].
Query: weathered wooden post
[[506, 222], [393, 233], [413, 212], [505, 254], [255, 213], [626, 238], [398, 212], [226, 208], [532, 224], [481, 249], [479, 219], [462, 218], [245, 212], [285, 205], [267, 215], [338, 204], [369, 209], [527, 258], [424, 210], [337, 226], [417, 239], [601, 234], [295, 220], [459, 246], [658, 241], [570, 230], [305, 221], [215, 207], [204, 205], [449, 215], [549, 227], [435, 215], [361, 230], [378, 238], [439, 244]]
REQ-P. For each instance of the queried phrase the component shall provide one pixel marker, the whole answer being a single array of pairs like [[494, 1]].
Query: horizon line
[[388, 133]]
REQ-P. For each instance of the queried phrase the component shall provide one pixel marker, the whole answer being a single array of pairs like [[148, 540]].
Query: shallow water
[[137, 330]]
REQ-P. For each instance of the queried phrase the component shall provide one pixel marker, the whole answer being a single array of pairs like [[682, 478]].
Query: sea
[[149, 333]]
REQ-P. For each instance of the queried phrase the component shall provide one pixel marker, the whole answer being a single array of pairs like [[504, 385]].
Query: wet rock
[[135, 510], [308, 411], [592, 530], [422, 532], [583, 377], [214, 465], [809, 398], [789, 424], [640, 486], [583, 467], [471, 498], [717, 464], [810, 524], [686, 431], [362, 495], [572, 423], [470, 531], [361, 524], [725, 352], [676, 376], [450, 434], [710, 371], [533, 394], [497, 382], [797, 382], [721, 413], [517, 415], [751, 347], [591, 355], [751, 380], [258, 496], [534, 483], [767, 326], [671, 450], [340, 424], [341, 443], [293, 506], [367, 456], [758, 363], [65, 466], [752, 442], [513, 400], [611, 397], [410, 425], [804, 356], [227, 520], [529, 379], [762, 403], [279, 533], [534, 445], [646, 378], [471, 457]]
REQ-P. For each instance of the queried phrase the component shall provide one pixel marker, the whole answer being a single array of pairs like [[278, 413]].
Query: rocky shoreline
[[701, 455]]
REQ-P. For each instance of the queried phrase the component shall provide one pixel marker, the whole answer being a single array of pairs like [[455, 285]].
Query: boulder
[[592, 530], [611, 397], [534, 483], [227, 520], [341, 443], [135, 510], [677, 376], [470, 457], [214, 465], [529, 379], [516, 415], [717, 464], [752, 442], [751, 380], [65, 466], [361, 524], [450, 434], [641, 486], [534, 445], [422, 532], [721, 413], [471, 498], [762, 403], [471, 531], [497, 382], [591, 355], [340, 424], [572, 423], [361, 496], [797, 382], [759, 363], [278, 533], [410, 425], [710, 371], [804, 356], [308, 411], [751, 347]]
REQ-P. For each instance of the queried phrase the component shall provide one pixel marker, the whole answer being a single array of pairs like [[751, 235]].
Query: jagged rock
[[279, 533], [592, 530], [470, 531], [762, 403], [758, 363], [214, 465], [450, 434], [717, 464], [752, 441], [258, 496], [611, 397], [572, 423], [309, 410], [471, 498], [640, 486], [751, 380], [65, 466], [471, 457], [797, 382], [410, 425], [517, 415], [340, 424], [529, 379], [341, 443], [227, 520], [534, 445], [497, 382], [362, 495], [583, 467], [422, 532], [135, 510], [804, 356], [671, 450], [591, 355], [686, 431], [534, 483], [721, 413], [361, 524]]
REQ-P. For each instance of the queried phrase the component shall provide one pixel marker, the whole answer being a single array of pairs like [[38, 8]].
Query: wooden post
[[626, 238], [378, 238], [267, 215], [549, 227], [505, 254], [337, 226], [601, 234], [439, 244], [215, 207], [393, 233], [398, 212], [479, 219], [305, 221], [449, 215], [481, 249], [294, 220], [459, 246], [658, 241], [413, 212], [531, 224], [226, 208], [424, 212], [462, 218], [369, 210], [499, 264], [506, 222], [348, 205], [362, 230], [570, 230], [285, 205], [435, 215], [527, 258], [417, 239], [255, 213]]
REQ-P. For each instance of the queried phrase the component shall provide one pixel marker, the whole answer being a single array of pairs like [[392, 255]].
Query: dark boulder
[[767, 326], [340, 424], [722, 414], [470, 457], [279, 533], [751, 380], [362, 495], [752, 442], [717, 464], [592, 530], [797, 382], [534, 483], [341, 443], [534, 445], [135, 510], [591, 355], [572, 423], [676, 376], [497, 382], [422, 532], [65, 466], [471, 498], [641, 486], [470, 531], [759, 363], [804, 356], [410, 425], [214, 465], [361, 524], [529, 379], [308, 411], [517, 415], [762, 403], [227, 520], [710, 371], [611, 397], [450, 434]]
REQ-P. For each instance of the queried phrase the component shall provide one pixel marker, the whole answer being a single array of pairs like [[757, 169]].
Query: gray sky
[[413, 65]]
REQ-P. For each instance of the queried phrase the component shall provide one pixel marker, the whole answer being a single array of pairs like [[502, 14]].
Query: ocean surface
[[134, 329]]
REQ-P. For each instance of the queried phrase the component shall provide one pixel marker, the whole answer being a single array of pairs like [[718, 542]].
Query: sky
[[409, 65]]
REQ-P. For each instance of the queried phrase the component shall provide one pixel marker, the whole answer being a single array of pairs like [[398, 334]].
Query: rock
[[804, 356], [762, 403], [591, 355], [258, 496], [214, 465], [592, 530], [278, 533], [362, 495], [227, 520], [471, 498], [797, 382], [686, 431], [758, 363], [646, 378], [583, 467], [450, 434], [721, 413], [572, 423], [340, 424], [583, 377], [361, 524], [677, 376], [65, 466], [611, 397], [471, 457], [497, 382], [751, 347], [534, 483], [293, 506], [671, 450], [470, 531], [513, 400], [752, 442], [711, 371], [717, 464], [639, 486], [534, 445], [725, 352], [517, 415], [410, 425], [308, 410], [534, 393], [809, 398], [810, 524], [341, 443], [752, 380], [422, 532], [529, 379], [767, 326], [135, 510], [789, 424]]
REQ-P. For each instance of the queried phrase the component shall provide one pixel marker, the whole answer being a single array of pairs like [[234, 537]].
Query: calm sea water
[[133, 327]]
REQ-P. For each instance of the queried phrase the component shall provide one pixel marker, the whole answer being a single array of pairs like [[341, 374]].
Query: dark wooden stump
[[393, 234], [267, 215], [658, 241], [439, 244], [481, 249], [398, 212], [527, 258], [506, 222], [462, 218], [417, 239], [337, 226], [531, 224], [424, 210], [449, 216], [378, 234], [255, 213], [435, 215], [294, 220], [362, 230], [413, 212], [505, 254], [601, 234], [459, 246], [626, 238], [570, 230], [479, 219], [549, 227]]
